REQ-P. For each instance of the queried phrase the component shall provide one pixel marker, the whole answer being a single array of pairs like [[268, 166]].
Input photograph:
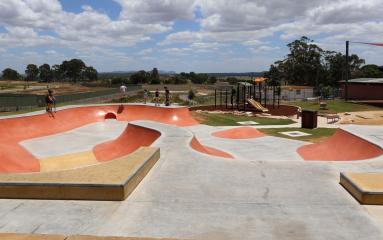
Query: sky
[[181, 35]]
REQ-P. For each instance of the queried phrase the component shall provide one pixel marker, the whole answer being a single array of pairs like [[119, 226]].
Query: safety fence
[[16, 102]]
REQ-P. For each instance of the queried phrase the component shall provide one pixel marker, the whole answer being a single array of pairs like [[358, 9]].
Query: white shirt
[[123, 89]]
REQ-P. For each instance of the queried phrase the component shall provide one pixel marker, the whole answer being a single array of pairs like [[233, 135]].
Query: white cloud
[[93, 34], [154, 11], [264, 48], [177, 51], [145, 52]]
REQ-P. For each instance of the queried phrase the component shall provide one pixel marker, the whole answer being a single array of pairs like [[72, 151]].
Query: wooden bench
[[333, 117]]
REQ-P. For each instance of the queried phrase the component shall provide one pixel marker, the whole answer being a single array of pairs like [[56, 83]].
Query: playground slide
[[257, 105]]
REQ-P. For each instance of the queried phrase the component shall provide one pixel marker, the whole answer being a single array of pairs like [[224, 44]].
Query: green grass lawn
[[215, 119], [317, 134], [335, 106]]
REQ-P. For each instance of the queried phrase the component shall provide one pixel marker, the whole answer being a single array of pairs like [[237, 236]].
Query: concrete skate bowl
[[342, 146], [15, 159], [239, 133], [196, 145]]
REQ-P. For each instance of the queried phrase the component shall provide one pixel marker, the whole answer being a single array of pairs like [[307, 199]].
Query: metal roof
[[365, 80], [245, 83]]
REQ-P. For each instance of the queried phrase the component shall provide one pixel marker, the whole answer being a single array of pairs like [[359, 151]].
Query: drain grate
[[248, 123], [295, 134]]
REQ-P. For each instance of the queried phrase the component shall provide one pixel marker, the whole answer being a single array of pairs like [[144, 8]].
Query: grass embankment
[[228, 119], [317, 134], [335, 106]]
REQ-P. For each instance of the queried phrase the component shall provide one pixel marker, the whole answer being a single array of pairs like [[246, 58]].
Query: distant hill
[[234, 74], [163, 72], [128, 73]]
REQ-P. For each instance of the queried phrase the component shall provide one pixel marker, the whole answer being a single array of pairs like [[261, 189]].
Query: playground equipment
[[246, 95], [257, 105]]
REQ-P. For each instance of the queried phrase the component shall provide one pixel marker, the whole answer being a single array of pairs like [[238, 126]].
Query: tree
[[57, 72], [199, 78], [155, 76], [10, 74], [73, 69], [46, 74], [308, 64], [303, 63], [212, 80], [90, 73], [31, 72], [274, 75], [335, 65], [371, 71], [177, 79], [140, 77]]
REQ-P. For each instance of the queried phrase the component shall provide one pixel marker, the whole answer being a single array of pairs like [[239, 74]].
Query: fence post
[[215, 98], [226, 97]]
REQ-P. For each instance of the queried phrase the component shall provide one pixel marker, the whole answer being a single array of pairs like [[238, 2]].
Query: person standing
[[157, 98], [146, 95], [167, 96], [123, 90], [50, 100]]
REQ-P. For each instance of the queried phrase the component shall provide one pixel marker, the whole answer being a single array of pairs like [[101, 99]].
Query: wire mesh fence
[[16, 102]]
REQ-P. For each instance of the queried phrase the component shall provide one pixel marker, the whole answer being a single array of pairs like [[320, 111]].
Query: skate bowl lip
[[336, 148], [107, 151], [74, 106], [239, 133], [16, 128]]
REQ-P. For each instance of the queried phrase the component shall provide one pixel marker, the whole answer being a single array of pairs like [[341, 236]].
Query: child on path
[[157, 98], [167, 96], [123, 90], [146, 95]]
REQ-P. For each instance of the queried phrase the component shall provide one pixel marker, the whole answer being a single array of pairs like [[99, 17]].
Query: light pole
[[347, 71]]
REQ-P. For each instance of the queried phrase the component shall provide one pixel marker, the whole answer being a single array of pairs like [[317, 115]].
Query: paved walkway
[[196, 196]]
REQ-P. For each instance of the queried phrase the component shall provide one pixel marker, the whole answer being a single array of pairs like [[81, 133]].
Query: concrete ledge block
[[16, 236], [367, 188], [110, 181], [80, 237]]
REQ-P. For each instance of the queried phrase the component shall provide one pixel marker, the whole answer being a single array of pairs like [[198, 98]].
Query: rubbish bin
[[309, 119]]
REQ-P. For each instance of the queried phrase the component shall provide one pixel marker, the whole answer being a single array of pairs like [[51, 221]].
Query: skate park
[[191, 120], [135, 166]]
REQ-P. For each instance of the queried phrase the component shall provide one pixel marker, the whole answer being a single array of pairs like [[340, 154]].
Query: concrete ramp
[[342, 146], [196, 145], [131, 139]]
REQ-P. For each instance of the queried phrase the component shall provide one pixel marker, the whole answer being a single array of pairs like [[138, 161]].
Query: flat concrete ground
[[267, 193]]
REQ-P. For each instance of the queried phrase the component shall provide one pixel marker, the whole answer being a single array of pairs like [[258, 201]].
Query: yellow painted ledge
[[67, 161], [367, 188], [16, 236], [110, 181]]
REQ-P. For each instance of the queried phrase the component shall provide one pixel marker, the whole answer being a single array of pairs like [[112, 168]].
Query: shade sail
[[374, 44]]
